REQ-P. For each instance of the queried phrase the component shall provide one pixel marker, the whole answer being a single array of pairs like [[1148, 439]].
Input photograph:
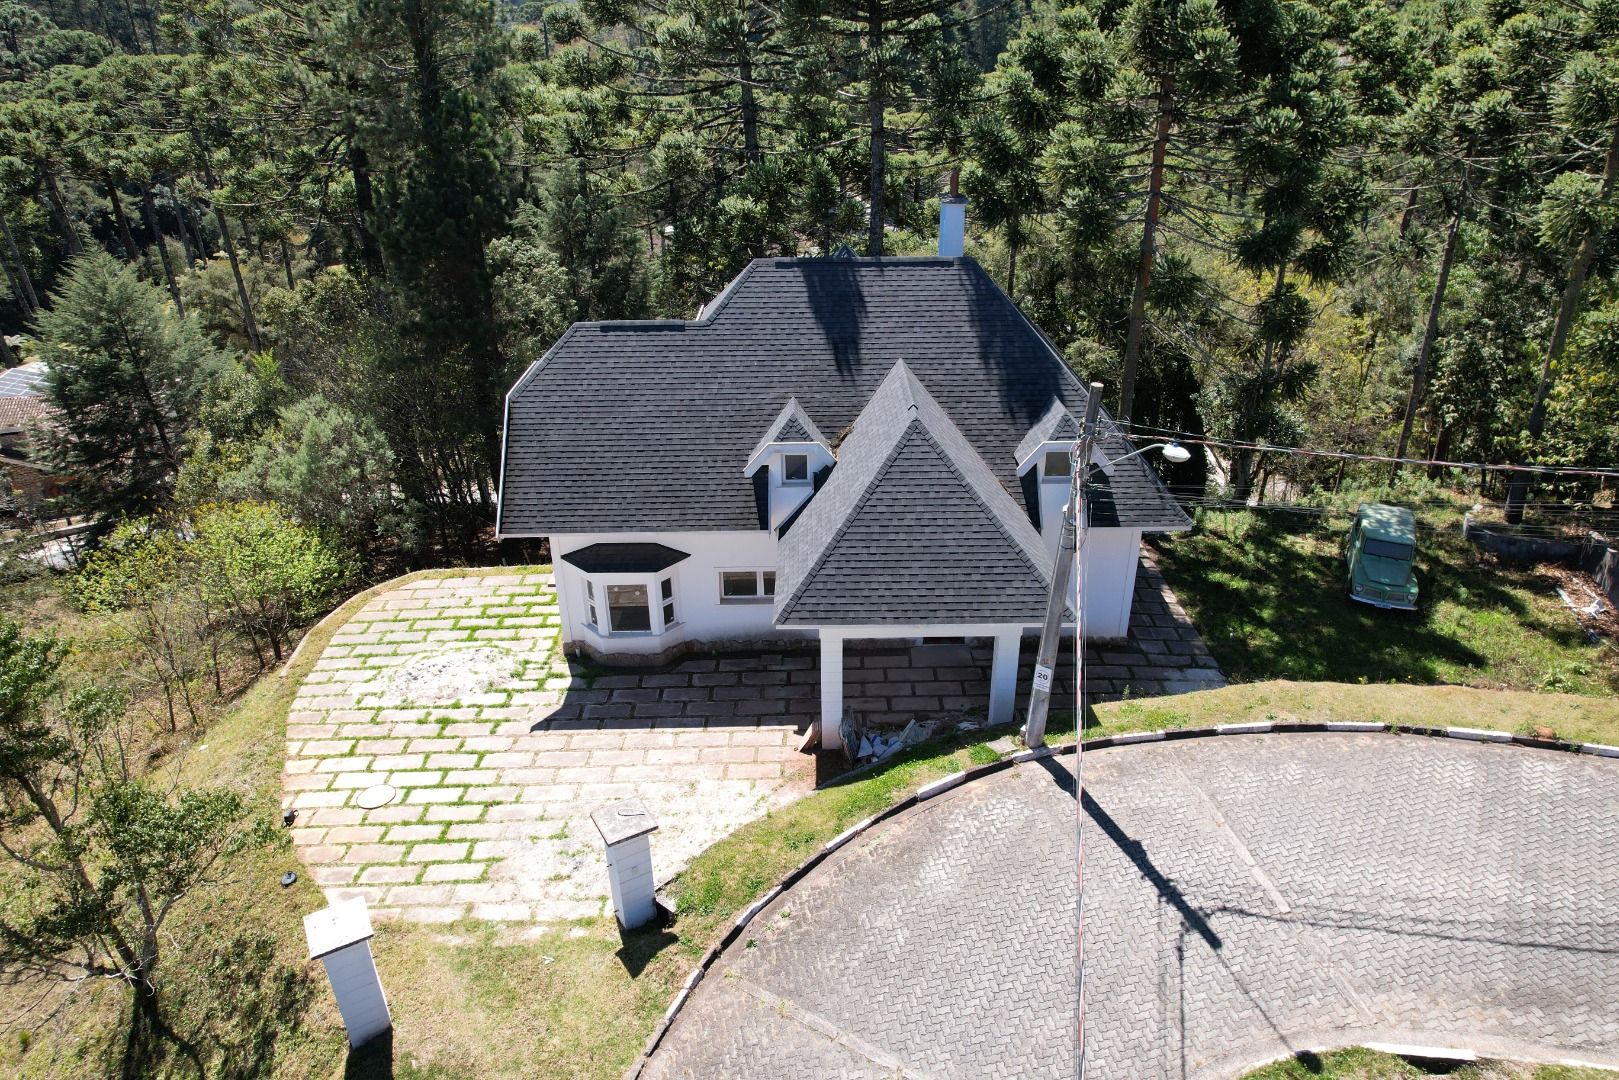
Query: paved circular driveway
[[1247, 896]]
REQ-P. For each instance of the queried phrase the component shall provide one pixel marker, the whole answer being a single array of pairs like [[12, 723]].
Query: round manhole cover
[[375, 796]]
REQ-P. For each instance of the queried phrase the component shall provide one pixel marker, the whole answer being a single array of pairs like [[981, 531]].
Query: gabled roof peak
[[791, 425], [865, 548], [1056, 424]]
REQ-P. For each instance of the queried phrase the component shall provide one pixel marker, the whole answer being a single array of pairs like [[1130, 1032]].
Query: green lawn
[[1358, 1063], [1267, 591]]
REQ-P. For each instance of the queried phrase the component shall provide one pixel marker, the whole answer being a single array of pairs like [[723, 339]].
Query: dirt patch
[[452, 675], [1593, 610]]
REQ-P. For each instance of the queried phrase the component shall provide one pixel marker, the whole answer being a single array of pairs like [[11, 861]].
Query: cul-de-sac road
[[1247, 896]]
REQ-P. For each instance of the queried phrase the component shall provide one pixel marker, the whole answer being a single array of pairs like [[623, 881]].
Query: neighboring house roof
[[25, 379], [22, 414], [912, 526], [625, 558], [637, 426]]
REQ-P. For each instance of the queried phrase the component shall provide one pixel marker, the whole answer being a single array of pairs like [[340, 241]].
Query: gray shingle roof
[[912, 526], [647, 426]]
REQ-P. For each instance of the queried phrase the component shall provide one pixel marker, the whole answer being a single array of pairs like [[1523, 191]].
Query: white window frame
[[760, 596], [1046, 476], [594, 591], [809, 474]]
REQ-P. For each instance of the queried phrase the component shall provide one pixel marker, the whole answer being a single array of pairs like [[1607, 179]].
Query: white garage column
[[1003, 674], [831, 688]]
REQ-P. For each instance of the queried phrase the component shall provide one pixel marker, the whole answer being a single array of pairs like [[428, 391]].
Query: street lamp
[[1074, 524]]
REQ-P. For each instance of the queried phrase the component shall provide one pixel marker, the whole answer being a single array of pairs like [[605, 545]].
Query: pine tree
[[126, 376]]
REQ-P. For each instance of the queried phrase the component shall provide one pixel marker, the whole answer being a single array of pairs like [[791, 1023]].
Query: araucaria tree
[[427, 81]]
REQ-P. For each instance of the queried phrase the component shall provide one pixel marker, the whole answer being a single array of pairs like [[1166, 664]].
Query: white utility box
[[626, 830], [340, 937]]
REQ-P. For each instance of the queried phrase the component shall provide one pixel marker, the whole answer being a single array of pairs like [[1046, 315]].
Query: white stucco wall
[[1111, 557], [1110, 560], [700, 614]]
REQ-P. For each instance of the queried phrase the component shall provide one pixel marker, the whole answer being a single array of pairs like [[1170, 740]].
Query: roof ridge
[[843, 526], [708, 311]]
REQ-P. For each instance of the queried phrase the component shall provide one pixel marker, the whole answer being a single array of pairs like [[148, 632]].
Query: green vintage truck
[[1380, 551]]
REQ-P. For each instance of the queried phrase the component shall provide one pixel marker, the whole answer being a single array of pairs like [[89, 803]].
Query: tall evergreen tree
[[429, 82], [126, 376]]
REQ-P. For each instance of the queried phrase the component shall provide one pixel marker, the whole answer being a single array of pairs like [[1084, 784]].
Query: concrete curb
[[978, 772]]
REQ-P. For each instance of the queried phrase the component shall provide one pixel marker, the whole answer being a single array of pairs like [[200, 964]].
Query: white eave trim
[[768, 450], [1066, 446]]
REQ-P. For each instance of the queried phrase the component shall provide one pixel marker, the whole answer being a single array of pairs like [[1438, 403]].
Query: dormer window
[[785, 463], [1057, 468]]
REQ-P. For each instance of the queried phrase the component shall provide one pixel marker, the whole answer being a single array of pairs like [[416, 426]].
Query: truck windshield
[[1385, 549]]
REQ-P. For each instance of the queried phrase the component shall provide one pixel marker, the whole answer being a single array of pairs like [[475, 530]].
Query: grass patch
[[1267, 592], [1358, 1063], [1569, 716], [234, 979]]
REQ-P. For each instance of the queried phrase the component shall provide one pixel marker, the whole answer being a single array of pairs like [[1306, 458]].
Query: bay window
[[623, 604]]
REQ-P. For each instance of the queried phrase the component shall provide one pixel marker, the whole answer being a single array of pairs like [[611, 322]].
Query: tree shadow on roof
[[838, 304], [1015, 351]]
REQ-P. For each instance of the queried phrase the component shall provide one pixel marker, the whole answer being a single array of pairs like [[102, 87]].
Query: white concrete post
[[1003, 675], [831, 689], [626, 829], [340, 938]]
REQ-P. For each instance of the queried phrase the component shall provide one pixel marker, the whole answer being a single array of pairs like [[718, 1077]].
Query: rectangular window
[[1387, 549], [667, 588], [739, 584], [1058, 466], [590, 603], [795, 468], [627, 609], [747, 586]]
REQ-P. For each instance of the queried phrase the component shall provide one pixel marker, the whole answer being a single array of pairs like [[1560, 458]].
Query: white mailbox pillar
[[340, 938], [626, 828]]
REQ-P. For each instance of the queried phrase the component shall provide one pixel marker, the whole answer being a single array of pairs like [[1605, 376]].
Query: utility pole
[[1073, 520]]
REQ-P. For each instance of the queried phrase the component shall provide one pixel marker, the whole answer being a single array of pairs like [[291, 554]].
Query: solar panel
[[27, 379]]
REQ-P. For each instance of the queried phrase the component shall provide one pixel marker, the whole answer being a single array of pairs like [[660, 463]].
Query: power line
[[1154, 434]]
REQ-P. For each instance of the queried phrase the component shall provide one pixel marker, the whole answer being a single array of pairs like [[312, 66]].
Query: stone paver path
[[451, 690], [1247, 896]]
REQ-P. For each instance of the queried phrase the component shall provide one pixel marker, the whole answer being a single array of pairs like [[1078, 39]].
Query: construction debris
[[880, 745]]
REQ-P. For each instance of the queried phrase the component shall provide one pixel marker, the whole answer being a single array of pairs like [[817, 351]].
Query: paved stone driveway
[[1247, 896], [450, 690]]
